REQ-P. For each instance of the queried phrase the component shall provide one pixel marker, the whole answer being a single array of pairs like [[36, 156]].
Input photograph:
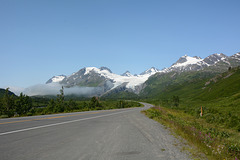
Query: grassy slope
[[221, 108], [220, 98], [192, 86], [227, 84], [126, 95], [182, 84]]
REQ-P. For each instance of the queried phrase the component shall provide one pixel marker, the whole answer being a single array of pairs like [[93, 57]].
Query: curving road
[[119, 134]]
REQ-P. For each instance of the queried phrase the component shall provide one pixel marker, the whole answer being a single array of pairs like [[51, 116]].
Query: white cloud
[[16, 90], [54, 89]]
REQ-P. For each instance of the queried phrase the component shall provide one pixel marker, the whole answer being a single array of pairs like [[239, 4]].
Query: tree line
[[11, 105], [24, 105]]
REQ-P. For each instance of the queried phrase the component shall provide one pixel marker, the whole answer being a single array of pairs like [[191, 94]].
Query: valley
[[197, 99], [119, 80]]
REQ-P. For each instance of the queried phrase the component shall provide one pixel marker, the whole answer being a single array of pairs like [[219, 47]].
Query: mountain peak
[[219, 55], [186, 60], [197, 57], [150, 71], [236, 56], [127, 74], [105, 68], [56, 79], [214, 58]]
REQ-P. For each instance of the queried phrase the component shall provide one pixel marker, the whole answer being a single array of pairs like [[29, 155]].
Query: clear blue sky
[[43, 38]]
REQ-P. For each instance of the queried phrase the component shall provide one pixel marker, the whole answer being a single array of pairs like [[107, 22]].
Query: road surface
[[122, 134]]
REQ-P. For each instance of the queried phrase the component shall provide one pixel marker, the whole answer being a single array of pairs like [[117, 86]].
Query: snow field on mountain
[[189, 60], [185, 63], [118, 79], [56, 79]]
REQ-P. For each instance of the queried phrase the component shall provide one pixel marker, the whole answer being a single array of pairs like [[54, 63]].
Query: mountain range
[[109, 83]]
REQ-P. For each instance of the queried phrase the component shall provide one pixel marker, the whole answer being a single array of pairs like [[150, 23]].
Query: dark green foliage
[[71, 105], [60, 101], [51, 106], [7, 104], [11, 105], [175, 100], [26, 106], [23, 104], [94, 103]]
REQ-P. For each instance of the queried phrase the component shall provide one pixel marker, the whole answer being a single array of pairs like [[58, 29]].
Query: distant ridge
[[106, 81]]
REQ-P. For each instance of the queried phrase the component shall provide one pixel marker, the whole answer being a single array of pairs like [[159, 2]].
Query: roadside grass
[[214, 141], [217, 132]]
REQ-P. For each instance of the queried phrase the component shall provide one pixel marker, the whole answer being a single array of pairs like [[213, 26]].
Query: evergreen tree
[[20, 104], [8, 104], [28, 102], [23, 104], [1, 107], [60, 101], [85, 106], [71, 105], [51, 106], [94, 103]]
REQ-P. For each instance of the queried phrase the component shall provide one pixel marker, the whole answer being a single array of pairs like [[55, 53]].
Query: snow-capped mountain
[[219, 61], [150, 71], [236, 56], [56, 79], [214, 58], [185, 63], [127, 74], [104, 79]]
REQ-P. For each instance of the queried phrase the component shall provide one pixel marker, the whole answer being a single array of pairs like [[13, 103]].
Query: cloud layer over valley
[[54, 88]]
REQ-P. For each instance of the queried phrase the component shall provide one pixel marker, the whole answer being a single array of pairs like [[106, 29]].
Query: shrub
[[209, 117], [4, 116], [29, 114], [233, 122]]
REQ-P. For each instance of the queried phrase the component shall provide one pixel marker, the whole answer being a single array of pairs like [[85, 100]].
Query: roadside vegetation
[[15, 106], [214, 129]]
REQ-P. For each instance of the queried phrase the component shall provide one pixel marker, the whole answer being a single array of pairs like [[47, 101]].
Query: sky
[[43, 38]]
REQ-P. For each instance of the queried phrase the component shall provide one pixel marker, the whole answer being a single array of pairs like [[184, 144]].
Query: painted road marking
[[55, 124], [48, 118], [37, 119]]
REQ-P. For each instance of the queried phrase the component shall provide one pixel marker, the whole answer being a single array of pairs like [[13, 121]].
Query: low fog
[[54, 89]]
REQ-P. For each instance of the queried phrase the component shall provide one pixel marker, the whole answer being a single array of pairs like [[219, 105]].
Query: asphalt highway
[[119, 134]]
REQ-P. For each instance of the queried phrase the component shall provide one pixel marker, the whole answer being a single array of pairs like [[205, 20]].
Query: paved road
[[96, 135]]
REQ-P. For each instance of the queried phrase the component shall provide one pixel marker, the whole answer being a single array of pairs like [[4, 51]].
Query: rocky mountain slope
[[113, 83]]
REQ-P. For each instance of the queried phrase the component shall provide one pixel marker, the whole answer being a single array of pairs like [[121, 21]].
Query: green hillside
[[196, 89], [223, 85], [126, 95], [219, 97], [192, 85], [183, 84]]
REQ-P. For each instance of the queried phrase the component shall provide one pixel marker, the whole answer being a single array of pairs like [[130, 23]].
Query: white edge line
[[55, 124]]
